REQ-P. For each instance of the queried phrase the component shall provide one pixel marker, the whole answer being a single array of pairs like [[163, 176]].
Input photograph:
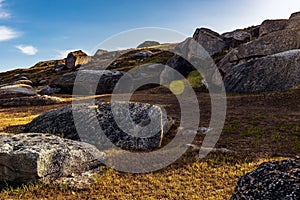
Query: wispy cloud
[[28, 50], [7, 33], [3, 13]]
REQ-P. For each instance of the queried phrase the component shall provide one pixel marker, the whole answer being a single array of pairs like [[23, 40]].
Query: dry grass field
[[258, 128]]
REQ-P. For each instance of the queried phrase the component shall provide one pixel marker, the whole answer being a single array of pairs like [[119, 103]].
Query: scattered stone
[[137, 136], [142, 55], [270, 73], [148, 44], [16, 91], [273, 180], [33, 157]]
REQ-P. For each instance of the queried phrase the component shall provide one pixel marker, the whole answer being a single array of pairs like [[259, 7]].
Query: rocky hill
[[255, 59]]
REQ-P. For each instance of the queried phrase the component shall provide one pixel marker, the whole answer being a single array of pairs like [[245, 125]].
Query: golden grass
[[198, 180], [15, 119]]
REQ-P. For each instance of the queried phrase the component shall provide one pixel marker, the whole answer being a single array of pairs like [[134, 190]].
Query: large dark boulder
[[272, 43], [273, 180], [86, 81], [211, 41], [35, 157], [137, 136], [270, 73]]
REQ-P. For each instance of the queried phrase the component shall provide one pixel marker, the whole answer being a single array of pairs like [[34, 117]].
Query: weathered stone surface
[[269, 26], [263, 46], [141, 54], [211, 41], [76, 58], [36, 100], [274, 180], [35, 156], [148, 44], [236, 38], [16, 91], [137, 136], [87, 80], [270, 73]]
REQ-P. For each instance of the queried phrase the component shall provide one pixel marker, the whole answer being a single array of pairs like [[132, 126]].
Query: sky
[[37, 30]]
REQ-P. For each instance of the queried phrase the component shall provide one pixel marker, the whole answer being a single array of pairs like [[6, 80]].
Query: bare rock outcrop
[[35, 157], [76, 58], [270, 73]]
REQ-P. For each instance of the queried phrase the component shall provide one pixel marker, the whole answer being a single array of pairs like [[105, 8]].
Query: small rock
[[142, 54]]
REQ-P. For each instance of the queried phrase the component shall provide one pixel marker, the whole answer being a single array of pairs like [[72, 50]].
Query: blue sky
[[36, 30]]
